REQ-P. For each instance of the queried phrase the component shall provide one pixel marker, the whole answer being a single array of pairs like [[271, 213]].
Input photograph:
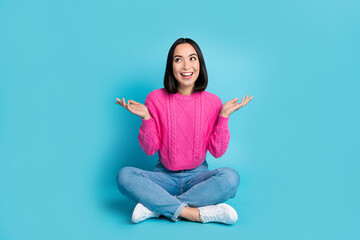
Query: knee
[[231, 178], [124, 176]]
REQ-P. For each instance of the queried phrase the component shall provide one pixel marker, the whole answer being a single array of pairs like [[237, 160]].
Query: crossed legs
[[159, 191]]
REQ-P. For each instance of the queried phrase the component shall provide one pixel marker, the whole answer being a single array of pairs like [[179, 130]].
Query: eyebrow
[[193, 54]]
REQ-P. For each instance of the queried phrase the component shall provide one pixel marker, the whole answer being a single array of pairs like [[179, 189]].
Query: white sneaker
[[222, 213], [142, 213]]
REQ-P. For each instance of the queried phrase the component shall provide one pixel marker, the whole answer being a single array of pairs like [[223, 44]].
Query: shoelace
[[214, 215], [149, 213]]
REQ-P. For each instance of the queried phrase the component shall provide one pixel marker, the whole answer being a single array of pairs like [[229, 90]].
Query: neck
[[186, 91]]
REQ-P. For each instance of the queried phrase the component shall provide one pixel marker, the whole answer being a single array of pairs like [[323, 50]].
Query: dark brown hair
[[170, 82]]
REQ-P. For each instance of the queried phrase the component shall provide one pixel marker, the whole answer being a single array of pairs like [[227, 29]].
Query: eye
[[193, 58], [177, 59]]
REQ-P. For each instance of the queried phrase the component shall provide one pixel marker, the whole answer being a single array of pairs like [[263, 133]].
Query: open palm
[[136, 108], [231, 106]]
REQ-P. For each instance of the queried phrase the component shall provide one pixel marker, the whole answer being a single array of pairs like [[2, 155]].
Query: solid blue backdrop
[[63, 138]]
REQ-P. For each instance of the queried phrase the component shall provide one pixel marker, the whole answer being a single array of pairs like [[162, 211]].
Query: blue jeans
[[168, 192]]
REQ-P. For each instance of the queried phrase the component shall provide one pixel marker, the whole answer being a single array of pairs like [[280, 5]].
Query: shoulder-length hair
[[170, 82]]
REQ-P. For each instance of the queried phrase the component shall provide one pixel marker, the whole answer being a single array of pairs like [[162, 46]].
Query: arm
[[220, 137], [149, 137]]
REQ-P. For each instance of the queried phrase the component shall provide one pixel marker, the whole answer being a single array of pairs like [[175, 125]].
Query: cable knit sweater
[[183, 127]]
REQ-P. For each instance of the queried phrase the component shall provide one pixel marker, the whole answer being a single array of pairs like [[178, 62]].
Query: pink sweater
[[182, 128]]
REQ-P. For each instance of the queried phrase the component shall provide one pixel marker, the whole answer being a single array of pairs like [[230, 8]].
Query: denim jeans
[[168, 192]]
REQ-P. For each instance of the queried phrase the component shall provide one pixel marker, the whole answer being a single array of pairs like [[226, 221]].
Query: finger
[[248, 100], [232, 100], [129, 107], [133, 102], [124, 103], [243, 101], [119, 101]]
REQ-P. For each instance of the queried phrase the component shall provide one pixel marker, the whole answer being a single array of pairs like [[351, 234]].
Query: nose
[[186, 65]]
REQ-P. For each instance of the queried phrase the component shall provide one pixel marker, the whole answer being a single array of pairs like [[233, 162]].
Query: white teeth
[[186, 74]]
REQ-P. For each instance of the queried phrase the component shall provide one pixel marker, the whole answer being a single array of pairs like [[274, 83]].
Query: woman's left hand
[[232, 106]]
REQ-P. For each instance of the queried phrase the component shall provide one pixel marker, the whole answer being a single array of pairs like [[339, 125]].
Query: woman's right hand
[[135, 108]]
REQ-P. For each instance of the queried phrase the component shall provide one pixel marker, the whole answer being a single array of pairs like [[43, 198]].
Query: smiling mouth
[[186, 74]]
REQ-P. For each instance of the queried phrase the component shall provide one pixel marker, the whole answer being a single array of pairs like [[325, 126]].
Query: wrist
[[224, 115], [146, 117]]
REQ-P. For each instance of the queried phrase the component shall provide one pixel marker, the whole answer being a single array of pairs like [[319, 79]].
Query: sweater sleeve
[[220, 136], [149, 137]]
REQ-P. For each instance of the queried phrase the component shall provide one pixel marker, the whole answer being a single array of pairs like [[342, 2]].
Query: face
[[186, 65]]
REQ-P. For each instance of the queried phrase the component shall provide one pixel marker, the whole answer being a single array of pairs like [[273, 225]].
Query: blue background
[[63, 138]]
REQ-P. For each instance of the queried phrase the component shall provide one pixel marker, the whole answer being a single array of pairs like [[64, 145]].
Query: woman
[[181, 122]]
